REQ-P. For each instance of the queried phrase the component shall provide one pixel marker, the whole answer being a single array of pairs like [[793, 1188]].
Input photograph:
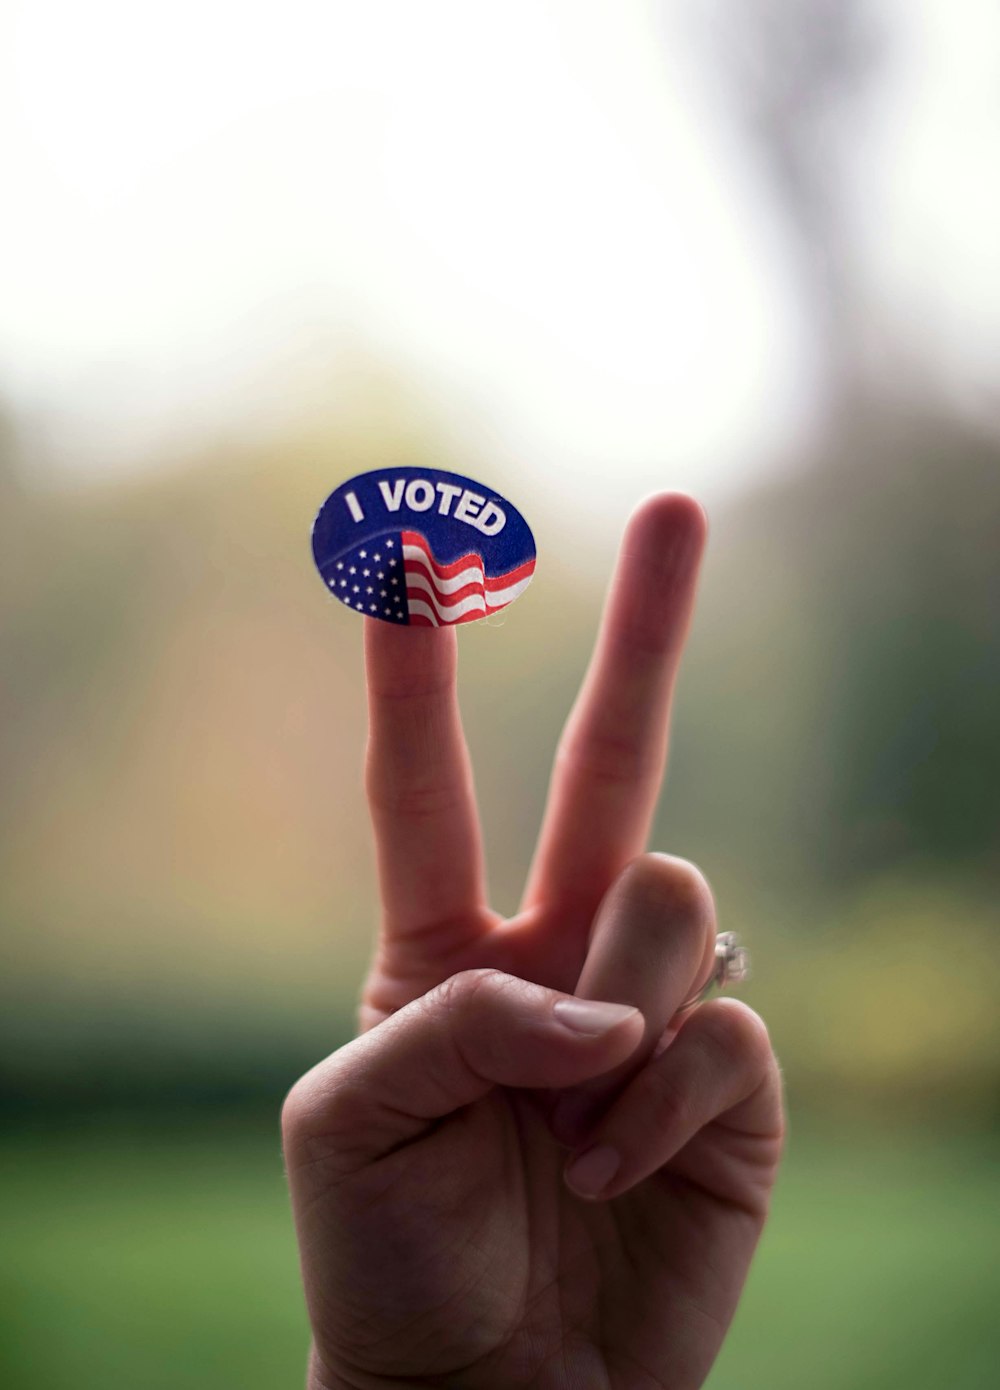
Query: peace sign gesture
[[535, 1166]]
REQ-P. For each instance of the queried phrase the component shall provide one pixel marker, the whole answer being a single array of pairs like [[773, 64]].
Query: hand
[[502, 1185]]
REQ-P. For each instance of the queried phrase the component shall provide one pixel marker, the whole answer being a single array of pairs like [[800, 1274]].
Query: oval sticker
[[422, 548]]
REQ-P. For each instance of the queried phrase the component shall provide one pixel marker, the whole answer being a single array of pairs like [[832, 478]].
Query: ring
[[732, 967]]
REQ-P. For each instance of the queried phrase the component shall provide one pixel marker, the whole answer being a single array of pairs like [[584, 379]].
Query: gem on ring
[[731, 967]]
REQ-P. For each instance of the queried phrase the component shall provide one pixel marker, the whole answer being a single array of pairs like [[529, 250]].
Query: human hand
[[447, 1236]]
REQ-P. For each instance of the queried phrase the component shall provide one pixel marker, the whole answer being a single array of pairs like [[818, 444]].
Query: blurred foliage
[[188, 890], [170, 1260]]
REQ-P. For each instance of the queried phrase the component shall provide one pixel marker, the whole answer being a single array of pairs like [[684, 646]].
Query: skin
[[454, 1223]]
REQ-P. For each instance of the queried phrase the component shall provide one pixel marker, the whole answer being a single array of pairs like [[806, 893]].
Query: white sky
[[529, 208]]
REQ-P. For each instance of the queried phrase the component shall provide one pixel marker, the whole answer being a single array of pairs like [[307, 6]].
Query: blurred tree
[[796, 76], [872, 675], [845, 675], [911, 562]]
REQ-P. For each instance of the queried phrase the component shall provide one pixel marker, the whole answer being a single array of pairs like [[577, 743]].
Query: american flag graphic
[[370, 579], [397, 578], [422, 547], [458, 592]]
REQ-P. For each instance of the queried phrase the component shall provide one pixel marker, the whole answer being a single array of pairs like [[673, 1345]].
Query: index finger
[[419, 782], [613, 750]]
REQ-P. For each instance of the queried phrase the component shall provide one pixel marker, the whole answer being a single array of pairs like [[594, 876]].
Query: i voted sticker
[[421, 547]]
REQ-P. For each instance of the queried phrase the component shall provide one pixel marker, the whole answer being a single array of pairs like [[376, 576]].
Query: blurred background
[[582, 251]]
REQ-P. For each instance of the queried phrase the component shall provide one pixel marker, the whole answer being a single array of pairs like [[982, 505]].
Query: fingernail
[[591, 1016], [590, 1172]]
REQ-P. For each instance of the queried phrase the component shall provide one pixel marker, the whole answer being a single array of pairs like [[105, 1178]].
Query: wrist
[[320, 1377]]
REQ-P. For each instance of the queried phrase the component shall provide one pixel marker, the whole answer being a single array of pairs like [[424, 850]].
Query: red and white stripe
[[458, 592]]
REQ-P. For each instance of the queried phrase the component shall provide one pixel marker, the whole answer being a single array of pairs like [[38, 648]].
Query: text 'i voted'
[[421, 547]]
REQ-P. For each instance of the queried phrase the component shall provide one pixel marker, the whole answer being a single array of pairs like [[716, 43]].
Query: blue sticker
[[423, 548]]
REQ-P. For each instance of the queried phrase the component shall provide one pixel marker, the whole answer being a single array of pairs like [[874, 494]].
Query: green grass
[[164, 1261], [877, 1271], [148, 1263]]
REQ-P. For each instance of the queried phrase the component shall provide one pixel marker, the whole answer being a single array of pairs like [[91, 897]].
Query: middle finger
[[612, 754]]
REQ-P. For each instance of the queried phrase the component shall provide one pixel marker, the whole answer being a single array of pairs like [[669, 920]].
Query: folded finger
[[720, 1064], [652, 946], [440, 1053]]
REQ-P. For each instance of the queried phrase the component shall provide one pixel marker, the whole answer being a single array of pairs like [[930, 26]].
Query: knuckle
[[669, 1101], [740, 1035], [672, 888], [319, 1109], [416, 801], [468, 1002], [303, 1116], [293, 1114], [605, 759], [686, 887], [461, 990]]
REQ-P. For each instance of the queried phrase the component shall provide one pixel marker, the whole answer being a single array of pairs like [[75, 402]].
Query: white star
[[340, 564], [392, 562], [354, 569], [372, 607], [399, 615], [369, 590], [386, 610], [381, 574], [332, 583], [356, 589], [360, 605], [394, 581], [389, 544], [382, 593], [363, 554], [377, 556], [343, 583]]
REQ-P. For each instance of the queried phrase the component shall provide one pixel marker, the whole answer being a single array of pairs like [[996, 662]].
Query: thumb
[[477, 1030]]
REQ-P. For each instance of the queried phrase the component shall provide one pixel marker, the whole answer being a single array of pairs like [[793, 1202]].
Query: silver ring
[[731, 967]]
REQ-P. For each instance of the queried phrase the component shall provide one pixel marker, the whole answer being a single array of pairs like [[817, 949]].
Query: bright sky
[[529, 208]]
